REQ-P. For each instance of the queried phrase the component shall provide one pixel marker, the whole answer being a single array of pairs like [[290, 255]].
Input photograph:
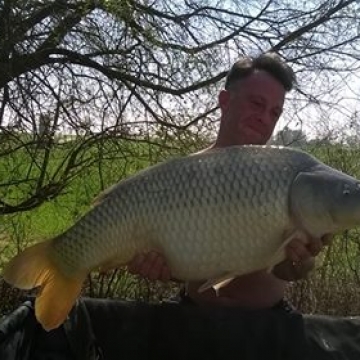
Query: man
[[251, 105]]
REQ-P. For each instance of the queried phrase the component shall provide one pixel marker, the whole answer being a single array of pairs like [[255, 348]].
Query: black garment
[[333, 337], [22, 337], [213, 332], [109, 329]]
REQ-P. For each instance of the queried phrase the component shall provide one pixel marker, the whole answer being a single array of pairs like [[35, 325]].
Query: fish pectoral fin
[[217, 283], [218, 286], [280, 253], [57, 293]]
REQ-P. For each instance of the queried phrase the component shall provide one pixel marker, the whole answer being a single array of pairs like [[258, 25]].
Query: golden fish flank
[[214, 215]]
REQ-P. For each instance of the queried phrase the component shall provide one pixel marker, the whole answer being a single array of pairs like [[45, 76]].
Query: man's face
[[251, 109]]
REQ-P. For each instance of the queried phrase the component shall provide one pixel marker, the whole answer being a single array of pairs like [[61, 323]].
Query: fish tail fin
[[34, 268]]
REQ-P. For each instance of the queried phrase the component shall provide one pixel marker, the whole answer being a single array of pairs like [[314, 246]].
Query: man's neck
[[221, 144]]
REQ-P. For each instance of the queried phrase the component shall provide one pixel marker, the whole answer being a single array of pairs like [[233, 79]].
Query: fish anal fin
[[217, 283]]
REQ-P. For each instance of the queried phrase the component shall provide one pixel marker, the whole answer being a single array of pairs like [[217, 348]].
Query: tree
[[151, 66], [288, 136]]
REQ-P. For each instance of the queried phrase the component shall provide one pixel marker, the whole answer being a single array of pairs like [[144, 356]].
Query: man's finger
[[315, 246], [155, 272], [165, 274], [135, 264], [296, 251], [327, 239], [149, 266]]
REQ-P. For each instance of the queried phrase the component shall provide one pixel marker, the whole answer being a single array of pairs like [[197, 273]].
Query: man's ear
[[224, 100]]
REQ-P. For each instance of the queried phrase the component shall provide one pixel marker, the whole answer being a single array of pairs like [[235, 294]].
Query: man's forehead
[[261, 83]]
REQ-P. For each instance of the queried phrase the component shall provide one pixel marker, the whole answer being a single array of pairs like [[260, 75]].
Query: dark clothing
[[110, 329], [187, 331]]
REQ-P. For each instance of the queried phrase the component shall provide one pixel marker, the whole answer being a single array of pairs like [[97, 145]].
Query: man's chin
[[255, 138]]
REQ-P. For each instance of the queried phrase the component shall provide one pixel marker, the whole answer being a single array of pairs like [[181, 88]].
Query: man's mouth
[[256, 127]]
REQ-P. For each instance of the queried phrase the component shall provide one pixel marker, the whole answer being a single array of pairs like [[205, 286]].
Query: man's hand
[[300, 258], [151, 265], [297, 251]]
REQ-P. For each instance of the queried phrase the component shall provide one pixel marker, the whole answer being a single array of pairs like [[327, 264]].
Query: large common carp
[[214, 215]]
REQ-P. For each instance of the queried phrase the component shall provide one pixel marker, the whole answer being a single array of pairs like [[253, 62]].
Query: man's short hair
[[269, 62]]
